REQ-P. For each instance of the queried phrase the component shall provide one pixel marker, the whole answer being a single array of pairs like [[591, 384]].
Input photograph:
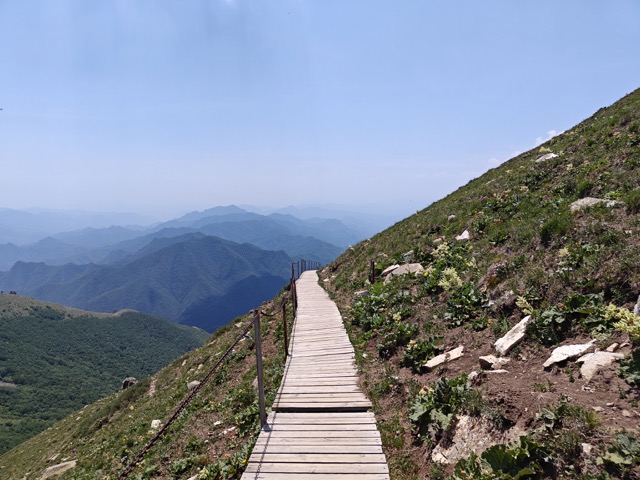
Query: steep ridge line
[[320, 426]]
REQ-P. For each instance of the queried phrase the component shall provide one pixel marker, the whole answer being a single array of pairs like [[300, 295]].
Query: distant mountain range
[[192, 279], [315, 239], [203, 268]]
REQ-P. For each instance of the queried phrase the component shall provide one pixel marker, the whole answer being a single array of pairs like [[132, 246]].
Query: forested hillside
[[55, 360]]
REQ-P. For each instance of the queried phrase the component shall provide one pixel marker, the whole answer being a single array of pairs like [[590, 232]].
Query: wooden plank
[[314, 448], [314, 476], [266, 467], [331, 458], [319, 428]]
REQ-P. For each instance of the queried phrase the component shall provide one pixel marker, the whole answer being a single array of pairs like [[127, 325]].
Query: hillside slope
[[55, 360], [213, 435], [509, 244]]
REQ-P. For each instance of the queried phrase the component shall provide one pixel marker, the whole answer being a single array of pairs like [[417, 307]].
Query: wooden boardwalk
[[320, 427]]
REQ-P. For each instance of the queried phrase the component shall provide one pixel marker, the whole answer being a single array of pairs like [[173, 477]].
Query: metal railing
[[297, 268]]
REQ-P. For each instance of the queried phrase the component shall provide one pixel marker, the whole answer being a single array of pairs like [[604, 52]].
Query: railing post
[[372, 272], [256, 326], [284, 322]]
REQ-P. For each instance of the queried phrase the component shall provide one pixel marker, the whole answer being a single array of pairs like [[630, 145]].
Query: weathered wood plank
[[319, 429], [266, 467]]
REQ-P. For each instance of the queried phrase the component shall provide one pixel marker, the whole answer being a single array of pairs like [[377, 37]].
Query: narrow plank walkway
[[321, 426]]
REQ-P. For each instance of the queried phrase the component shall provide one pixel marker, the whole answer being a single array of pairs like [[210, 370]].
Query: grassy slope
[[62, 359], [524, 241], [214, 433]]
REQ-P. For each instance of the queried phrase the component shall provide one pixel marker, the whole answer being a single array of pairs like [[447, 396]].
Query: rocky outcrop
[[589, 202], [513, 337], [57, 470], [444, 358], [567, 352], [491, 362], [409, 268], [544, 158], [593, 362], [464, 236]]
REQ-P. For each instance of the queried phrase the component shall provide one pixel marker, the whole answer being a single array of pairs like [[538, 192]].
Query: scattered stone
[[155, 424], [408, 257], [513, 337], [613, 347], [361, 293], [389, 269], [546, 157], [217, 422], [228, 430], [58, 470], [451, 217], [254, 384], [464, 236], [472, 435], [589, 202], [438, 240], [592, 362], [54, 458], [502, 370], [491, 362], [636, 308], [129, 382], [610, 404], [199, 367], [413, 268], [444, 358], [567, 352], [192, 385], [184, 362], [474, 377], [598, 409], [238, 325], [627, 413], [195, 477], [587, 448]]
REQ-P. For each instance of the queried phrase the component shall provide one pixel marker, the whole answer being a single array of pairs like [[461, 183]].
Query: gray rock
[[361, 293], [192, 385], [589, 202], [444, 358], [636, 308], [592, 362], [408, 257], [513, 337], [567, 352], [409, 268], [155, 424], [627, 413], [546, 157], [451, 217], [389, 269], [491, 362], [613, 347], [464, 236], [129, 382], [57, 470]]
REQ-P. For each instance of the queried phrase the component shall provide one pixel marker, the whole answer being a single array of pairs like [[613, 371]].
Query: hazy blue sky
[[175, 105]]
